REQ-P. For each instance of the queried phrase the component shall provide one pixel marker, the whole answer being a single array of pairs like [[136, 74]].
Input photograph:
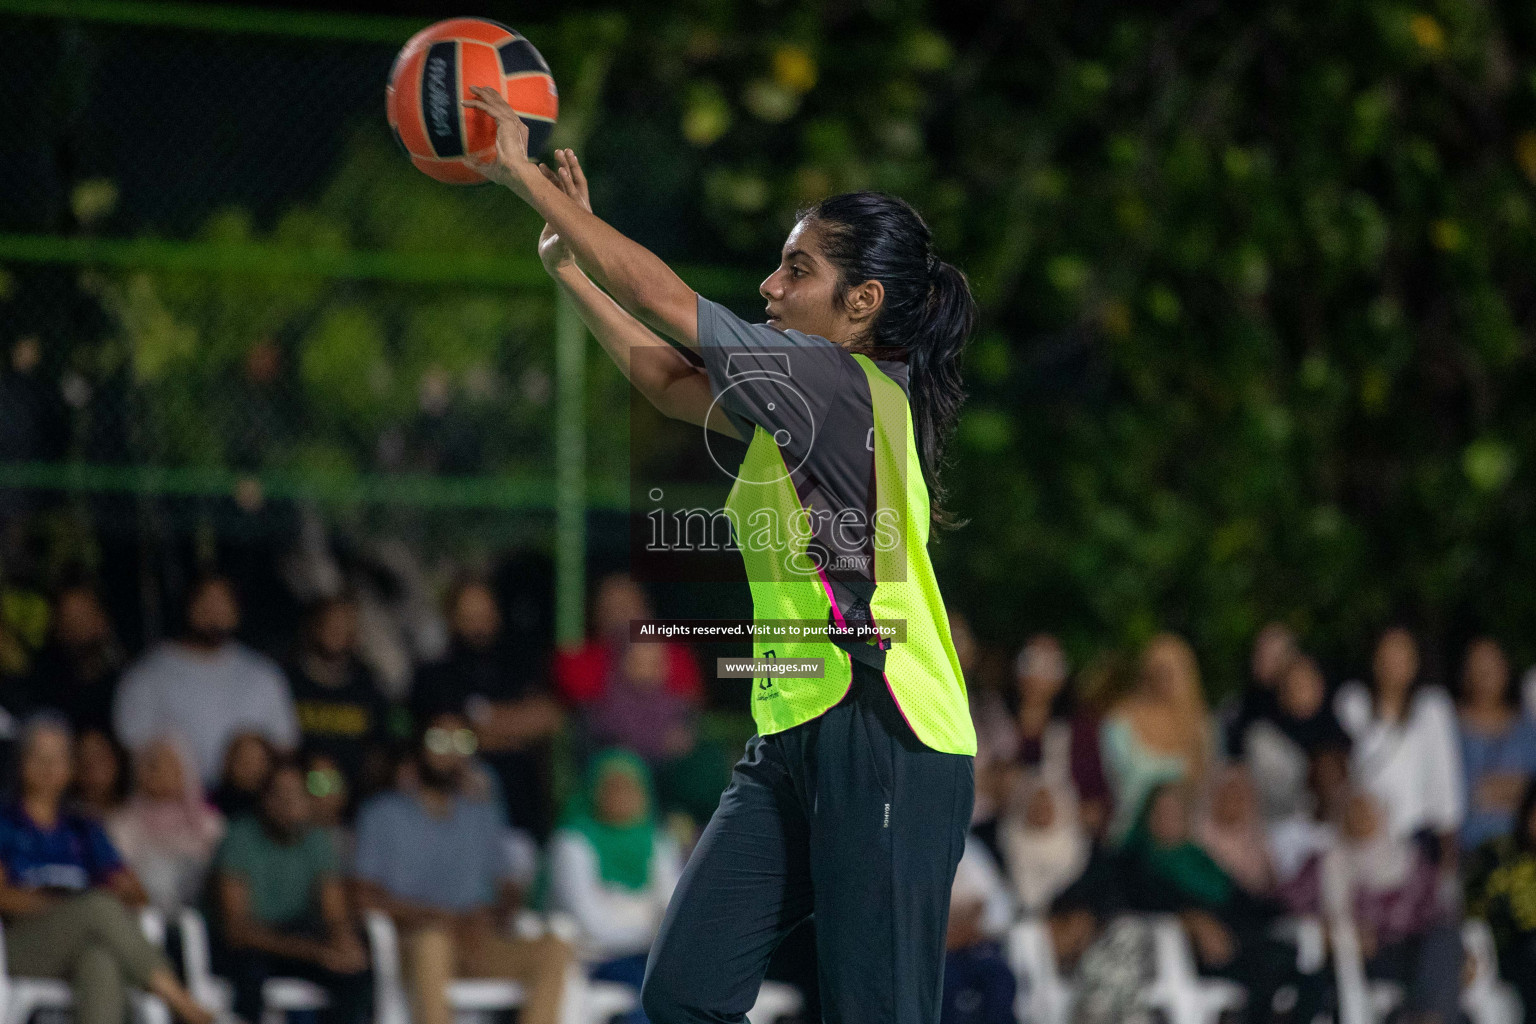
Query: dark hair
[[927, 315], [1511, 695]]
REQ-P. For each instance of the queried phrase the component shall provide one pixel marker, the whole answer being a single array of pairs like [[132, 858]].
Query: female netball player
[[853, 800]]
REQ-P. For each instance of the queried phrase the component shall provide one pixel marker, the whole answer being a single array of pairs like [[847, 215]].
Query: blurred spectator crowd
[[288, 799], [1378, 814]]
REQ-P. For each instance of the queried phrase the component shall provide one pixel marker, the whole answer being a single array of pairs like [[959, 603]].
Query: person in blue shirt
[[1498, 745], [433, 857], [64, 893]]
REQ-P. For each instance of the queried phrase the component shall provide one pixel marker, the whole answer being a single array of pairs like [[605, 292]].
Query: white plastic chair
[[587, 1001], [465, 995], [1361, 1000], [775, 999], [1045, 997], [1487, 999], [1178, 989], [22, 997], [279, 996]]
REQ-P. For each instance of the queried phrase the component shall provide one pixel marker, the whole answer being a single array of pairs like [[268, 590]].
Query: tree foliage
[[1256, 281]]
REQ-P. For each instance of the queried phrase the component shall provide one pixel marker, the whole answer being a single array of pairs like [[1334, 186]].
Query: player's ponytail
[[927, 316]]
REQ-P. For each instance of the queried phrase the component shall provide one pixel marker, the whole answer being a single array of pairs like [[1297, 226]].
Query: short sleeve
[[281, 716], [683, 676], [323, 856], [782, 381], [103, 860], [1526, 731], [234, 854], [498, 866], [371, 859]]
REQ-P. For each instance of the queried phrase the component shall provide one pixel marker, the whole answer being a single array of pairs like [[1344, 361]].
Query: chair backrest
[[1349, 974], [1045, 998], [196, 960], [152, 924], [1486, 999], [390, 1006], [1176, 990], [1478, 940]]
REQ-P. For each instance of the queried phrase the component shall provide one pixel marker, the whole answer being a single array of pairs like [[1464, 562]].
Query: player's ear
[[863, 301]]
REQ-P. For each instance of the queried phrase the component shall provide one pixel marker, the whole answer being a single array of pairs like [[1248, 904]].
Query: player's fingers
[[492, 102], [482, 99], [577, 174]]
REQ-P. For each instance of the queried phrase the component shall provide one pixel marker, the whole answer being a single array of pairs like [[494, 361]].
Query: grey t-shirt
[[814, 399], [206, 699], [455, 863]]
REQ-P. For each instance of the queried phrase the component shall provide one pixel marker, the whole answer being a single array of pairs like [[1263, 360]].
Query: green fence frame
[[567, 492]]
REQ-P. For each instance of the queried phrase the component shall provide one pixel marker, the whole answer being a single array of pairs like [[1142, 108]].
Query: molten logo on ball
[[432, 77]]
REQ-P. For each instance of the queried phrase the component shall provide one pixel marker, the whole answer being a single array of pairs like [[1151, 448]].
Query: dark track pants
[[847, 817]]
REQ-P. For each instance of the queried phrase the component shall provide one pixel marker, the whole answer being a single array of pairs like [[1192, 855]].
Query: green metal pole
[[570, 474]]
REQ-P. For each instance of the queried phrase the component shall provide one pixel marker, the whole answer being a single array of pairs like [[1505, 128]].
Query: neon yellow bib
[[922, 671]]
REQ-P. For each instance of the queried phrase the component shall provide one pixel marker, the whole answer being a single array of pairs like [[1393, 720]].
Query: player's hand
[[509, 164], [571, 180]]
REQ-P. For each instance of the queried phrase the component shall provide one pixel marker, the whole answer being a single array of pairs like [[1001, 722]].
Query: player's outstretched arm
[[661, 373], [658, 371], [636, 277]]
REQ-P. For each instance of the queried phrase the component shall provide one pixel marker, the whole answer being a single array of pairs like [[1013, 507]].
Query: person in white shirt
[[1043, 843], [1405, 751], [613, 869], [979, 987], [206, 687]]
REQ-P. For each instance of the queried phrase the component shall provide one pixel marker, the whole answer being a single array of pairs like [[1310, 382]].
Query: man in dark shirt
[[504, 697], [77, 672], [342, 713]]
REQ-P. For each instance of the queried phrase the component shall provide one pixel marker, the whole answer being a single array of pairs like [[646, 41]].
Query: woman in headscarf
[[1045, 847], [1166, 872], [167, 831], [613, 869], [644, 697], [1232, 832], [1052, 735]]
